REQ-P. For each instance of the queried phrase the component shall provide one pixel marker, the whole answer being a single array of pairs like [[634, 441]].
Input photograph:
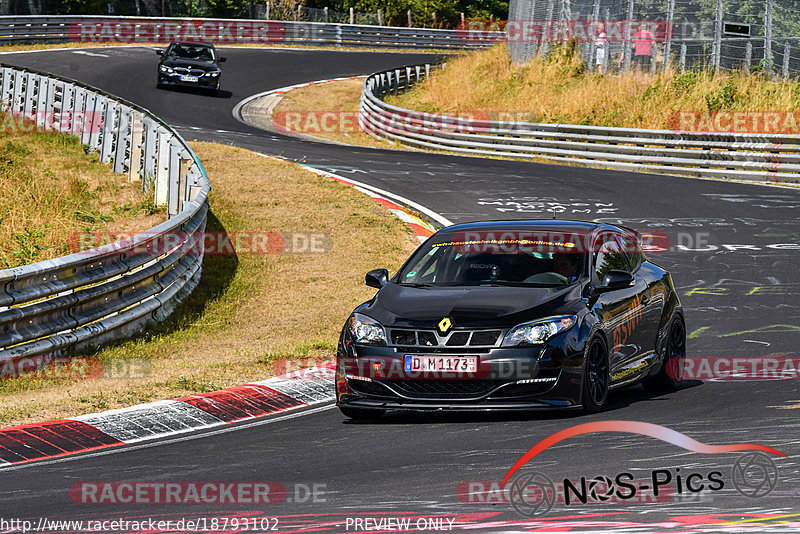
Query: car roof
[[554, 225]]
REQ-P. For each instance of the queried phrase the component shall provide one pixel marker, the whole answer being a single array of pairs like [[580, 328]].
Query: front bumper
[[548, 377], [205, 82]]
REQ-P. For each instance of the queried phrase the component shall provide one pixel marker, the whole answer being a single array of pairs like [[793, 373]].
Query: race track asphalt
[[740, 302]]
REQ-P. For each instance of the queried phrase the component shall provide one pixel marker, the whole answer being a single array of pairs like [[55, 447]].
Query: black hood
[[189, 63], [476, 307]]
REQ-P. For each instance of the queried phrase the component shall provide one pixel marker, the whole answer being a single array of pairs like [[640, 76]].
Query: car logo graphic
[[445, 325]]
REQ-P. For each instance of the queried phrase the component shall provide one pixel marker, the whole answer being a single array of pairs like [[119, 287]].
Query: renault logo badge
[[445, 325]]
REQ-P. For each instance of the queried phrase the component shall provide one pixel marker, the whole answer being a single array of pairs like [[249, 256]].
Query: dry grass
[[249, 310], [557, 90], [304, 110], [54, 190]]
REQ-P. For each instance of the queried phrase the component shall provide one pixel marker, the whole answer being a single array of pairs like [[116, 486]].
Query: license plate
[[454, 364], [189, 79]]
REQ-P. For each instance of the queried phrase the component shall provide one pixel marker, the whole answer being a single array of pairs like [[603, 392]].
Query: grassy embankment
[[249, 310], [53, 190], [558, 89]]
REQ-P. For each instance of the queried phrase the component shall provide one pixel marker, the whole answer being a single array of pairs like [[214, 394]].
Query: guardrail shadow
[[217, 273]]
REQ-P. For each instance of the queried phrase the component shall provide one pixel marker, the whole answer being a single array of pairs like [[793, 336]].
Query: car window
[[506, 261], [609, 256], [202, 53]]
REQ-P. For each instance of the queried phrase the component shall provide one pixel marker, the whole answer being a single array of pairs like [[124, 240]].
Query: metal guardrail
[[92, 29], [720, 155], [109, 292]]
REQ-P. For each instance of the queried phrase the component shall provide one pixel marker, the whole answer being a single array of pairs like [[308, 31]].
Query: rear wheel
[[596, 378], [670, 376], [361, 414]]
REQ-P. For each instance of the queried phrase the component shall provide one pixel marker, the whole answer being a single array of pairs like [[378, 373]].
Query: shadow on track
[[618, 400], [221, 94]]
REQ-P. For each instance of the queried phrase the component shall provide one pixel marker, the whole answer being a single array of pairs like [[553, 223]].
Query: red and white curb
[[162, 419], [52, 439]]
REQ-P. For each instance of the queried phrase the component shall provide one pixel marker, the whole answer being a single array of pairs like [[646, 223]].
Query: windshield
[[196, 52], [454, 261]]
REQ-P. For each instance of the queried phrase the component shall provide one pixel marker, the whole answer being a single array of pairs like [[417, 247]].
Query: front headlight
[[367, 330], [213, 73], [166, 69], [537, 332]]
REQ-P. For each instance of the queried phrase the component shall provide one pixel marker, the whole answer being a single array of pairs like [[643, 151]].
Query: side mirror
[[222, 60], [616, 280], [377, 278], [159, 52]]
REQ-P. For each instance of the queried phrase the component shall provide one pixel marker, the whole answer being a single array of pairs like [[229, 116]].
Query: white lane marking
[[441, 219], [92, 54], [121, 449]]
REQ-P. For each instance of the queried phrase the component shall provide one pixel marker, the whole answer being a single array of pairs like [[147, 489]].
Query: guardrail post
[[408, 78], [87, 106], [30, 92], [41, 102], [173, 181], [19, 86], [136, 149], [150, 161], [124, 135], [109, 126], [162, 168], [6, 82]]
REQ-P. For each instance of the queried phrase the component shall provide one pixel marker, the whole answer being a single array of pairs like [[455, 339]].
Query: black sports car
[[512, 315], [190, 65]]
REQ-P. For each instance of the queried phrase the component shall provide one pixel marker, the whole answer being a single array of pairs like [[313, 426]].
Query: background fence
[[739, 156], [727, 34], [89, 297], [94, 29]]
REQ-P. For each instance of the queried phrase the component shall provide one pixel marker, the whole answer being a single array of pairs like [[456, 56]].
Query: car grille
[[456, 338], [189, 72], [451, 389]]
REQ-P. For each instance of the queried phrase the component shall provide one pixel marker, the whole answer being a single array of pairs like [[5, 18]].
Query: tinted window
[[503, 259], [200, 53]]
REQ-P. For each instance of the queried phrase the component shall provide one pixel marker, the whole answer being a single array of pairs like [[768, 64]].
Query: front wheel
[[670, 376], [596, 378], [361, 414]]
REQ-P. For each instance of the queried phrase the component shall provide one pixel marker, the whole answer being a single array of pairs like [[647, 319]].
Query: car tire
[[361, 414], [670, 376], [596, 376]]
